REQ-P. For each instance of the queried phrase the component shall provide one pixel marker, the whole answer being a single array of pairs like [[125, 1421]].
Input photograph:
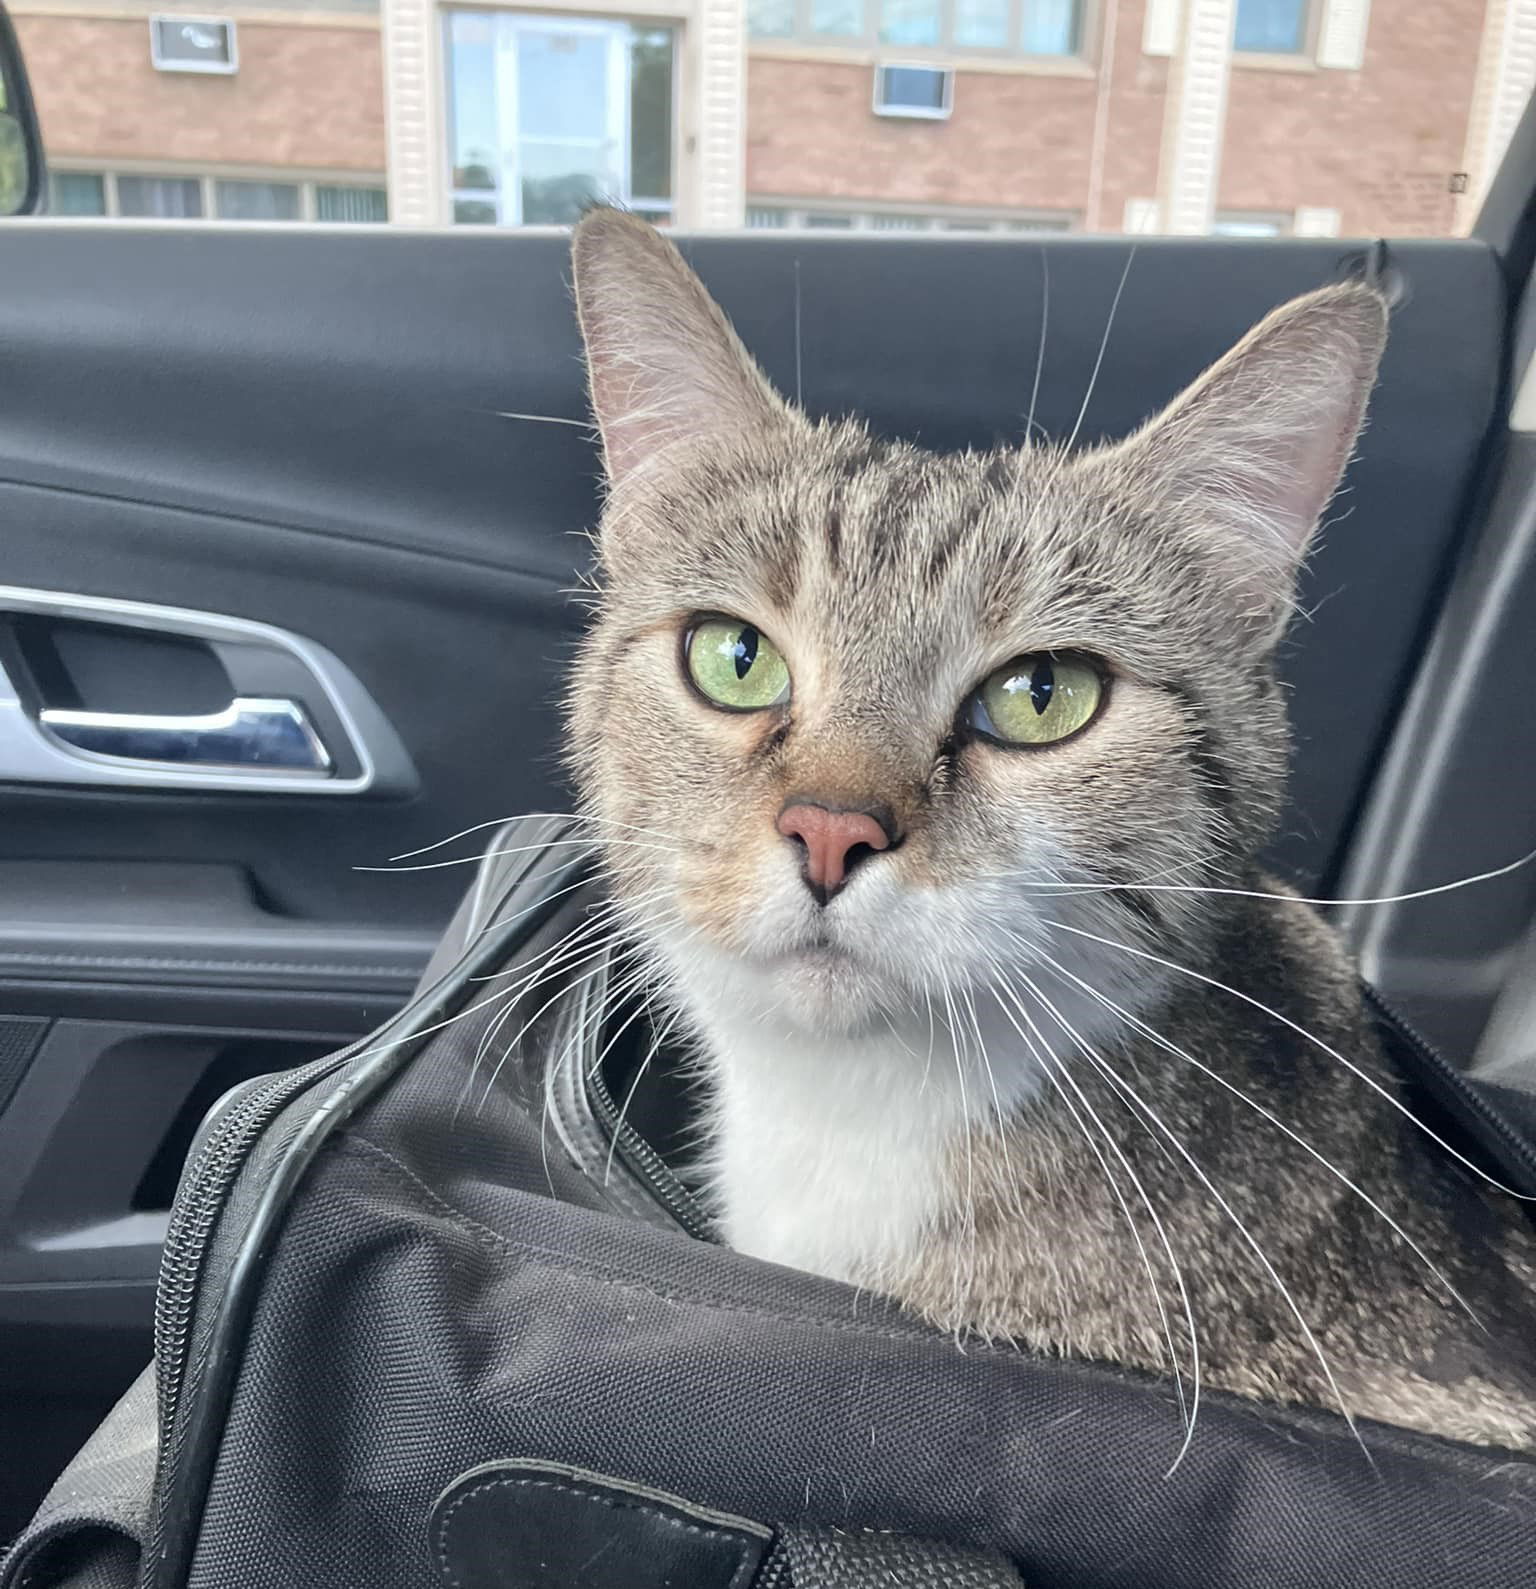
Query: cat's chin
[[820, 990]]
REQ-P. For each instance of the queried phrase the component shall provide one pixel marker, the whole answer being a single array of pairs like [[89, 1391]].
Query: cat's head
[[851, 713]]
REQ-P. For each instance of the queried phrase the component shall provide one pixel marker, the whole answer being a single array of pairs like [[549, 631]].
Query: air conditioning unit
[[193, 44], [926, 92]]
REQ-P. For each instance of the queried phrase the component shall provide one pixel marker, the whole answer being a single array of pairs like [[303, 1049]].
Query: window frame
[[165, 63], [913, 112], [802, 36]]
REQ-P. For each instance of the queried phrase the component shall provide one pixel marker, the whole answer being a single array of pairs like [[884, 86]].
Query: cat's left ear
[[664, 363], [1252, 452]]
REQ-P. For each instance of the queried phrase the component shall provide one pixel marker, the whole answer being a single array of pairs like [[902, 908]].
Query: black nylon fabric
[[449, 1289]]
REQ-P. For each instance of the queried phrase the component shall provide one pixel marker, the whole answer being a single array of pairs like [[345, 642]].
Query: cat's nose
[[834, 841]]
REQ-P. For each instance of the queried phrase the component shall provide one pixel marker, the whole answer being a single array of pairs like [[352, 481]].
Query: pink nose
[[835, 841]]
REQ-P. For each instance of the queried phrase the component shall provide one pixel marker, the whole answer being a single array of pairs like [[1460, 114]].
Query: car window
[[1248, 119]]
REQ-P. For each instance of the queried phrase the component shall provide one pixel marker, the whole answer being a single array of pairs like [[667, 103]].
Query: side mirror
[[21, 143]]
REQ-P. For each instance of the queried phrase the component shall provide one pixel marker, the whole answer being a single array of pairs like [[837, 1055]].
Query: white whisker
[[1170, 1047], [1134, 1098], [1317, 1042]]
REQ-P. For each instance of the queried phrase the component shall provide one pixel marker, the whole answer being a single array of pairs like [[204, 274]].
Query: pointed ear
[[1254, 450], [664, 364]]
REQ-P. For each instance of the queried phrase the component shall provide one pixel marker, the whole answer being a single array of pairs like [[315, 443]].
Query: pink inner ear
[[1258, 444], [665, 365]]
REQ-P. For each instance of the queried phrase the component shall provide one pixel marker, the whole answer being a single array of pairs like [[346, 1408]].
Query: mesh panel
[[825, 1559], [20, 1038]]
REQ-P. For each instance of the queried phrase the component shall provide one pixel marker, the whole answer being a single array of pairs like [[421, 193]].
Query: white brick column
[[1506, 71], [415, 131], [719, 115], [1194, 117]]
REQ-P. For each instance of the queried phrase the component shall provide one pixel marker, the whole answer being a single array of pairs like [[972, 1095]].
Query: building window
[[236, 197], [257, 201], [160, 198], [1271, 27], [780, 214], [1249, 223], [1019, 27], [77, 193], [351, 206], [549, 113]]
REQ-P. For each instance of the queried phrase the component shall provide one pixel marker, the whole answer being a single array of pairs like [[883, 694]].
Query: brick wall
[[305, 95], [1378, 145], [1016, 140]]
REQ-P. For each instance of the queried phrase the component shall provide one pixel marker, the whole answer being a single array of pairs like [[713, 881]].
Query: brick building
[[1246, 116]]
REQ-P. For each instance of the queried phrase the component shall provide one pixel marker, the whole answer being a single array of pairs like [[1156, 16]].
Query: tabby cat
[[931, 786]]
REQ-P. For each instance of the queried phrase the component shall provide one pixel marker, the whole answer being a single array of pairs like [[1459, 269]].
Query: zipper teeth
[[648, 1165], [196, 1213], [1437, 1062]]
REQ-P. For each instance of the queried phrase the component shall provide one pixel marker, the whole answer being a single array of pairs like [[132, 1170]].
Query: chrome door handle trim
[[250, 734], [31, 753]]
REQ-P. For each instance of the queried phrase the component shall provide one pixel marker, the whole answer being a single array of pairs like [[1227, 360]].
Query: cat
[[930, 787]]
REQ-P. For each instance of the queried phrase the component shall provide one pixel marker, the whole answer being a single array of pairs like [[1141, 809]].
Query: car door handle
[[299, 721], [251, 732]]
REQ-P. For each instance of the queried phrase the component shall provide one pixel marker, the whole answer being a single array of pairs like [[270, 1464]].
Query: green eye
[[1037, 700], [736, 666]]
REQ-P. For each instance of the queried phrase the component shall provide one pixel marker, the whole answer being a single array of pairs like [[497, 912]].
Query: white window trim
[[163, 63], [1316, 221]]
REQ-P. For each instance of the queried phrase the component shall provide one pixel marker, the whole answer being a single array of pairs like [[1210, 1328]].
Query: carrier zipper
[[184, 1465], [644, 1162], [1448, 1079], [199, 1203], [205, 1184]]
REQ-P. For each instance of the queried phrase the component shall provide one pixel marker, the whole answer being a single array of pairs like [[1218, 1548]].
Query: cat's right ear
[[663, 362]]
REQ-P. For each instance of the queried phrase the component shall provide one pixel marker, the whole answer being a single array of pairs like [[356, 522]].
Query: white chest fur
[[838, 1154]]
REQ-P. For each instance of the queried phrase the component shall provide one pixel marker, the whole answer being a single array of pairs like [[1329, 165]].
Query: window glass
[[162, 198], [837, 18], [912, 87], [650, 113], [770, 19], [257, 201], [910, 22], [1270, 27], [551, 113], [472, 98], [77, 193], [1050, 27], [351, 204], [981, 24]]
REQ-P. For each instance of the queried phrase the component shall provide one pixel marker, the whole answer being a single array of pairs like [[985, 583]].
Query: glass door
[[563, 95], [549, 112]]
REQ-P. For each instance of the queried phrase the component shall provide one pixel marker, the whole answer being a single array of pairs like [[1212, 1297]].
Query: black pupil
[[745, 651], [1042, 684]]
